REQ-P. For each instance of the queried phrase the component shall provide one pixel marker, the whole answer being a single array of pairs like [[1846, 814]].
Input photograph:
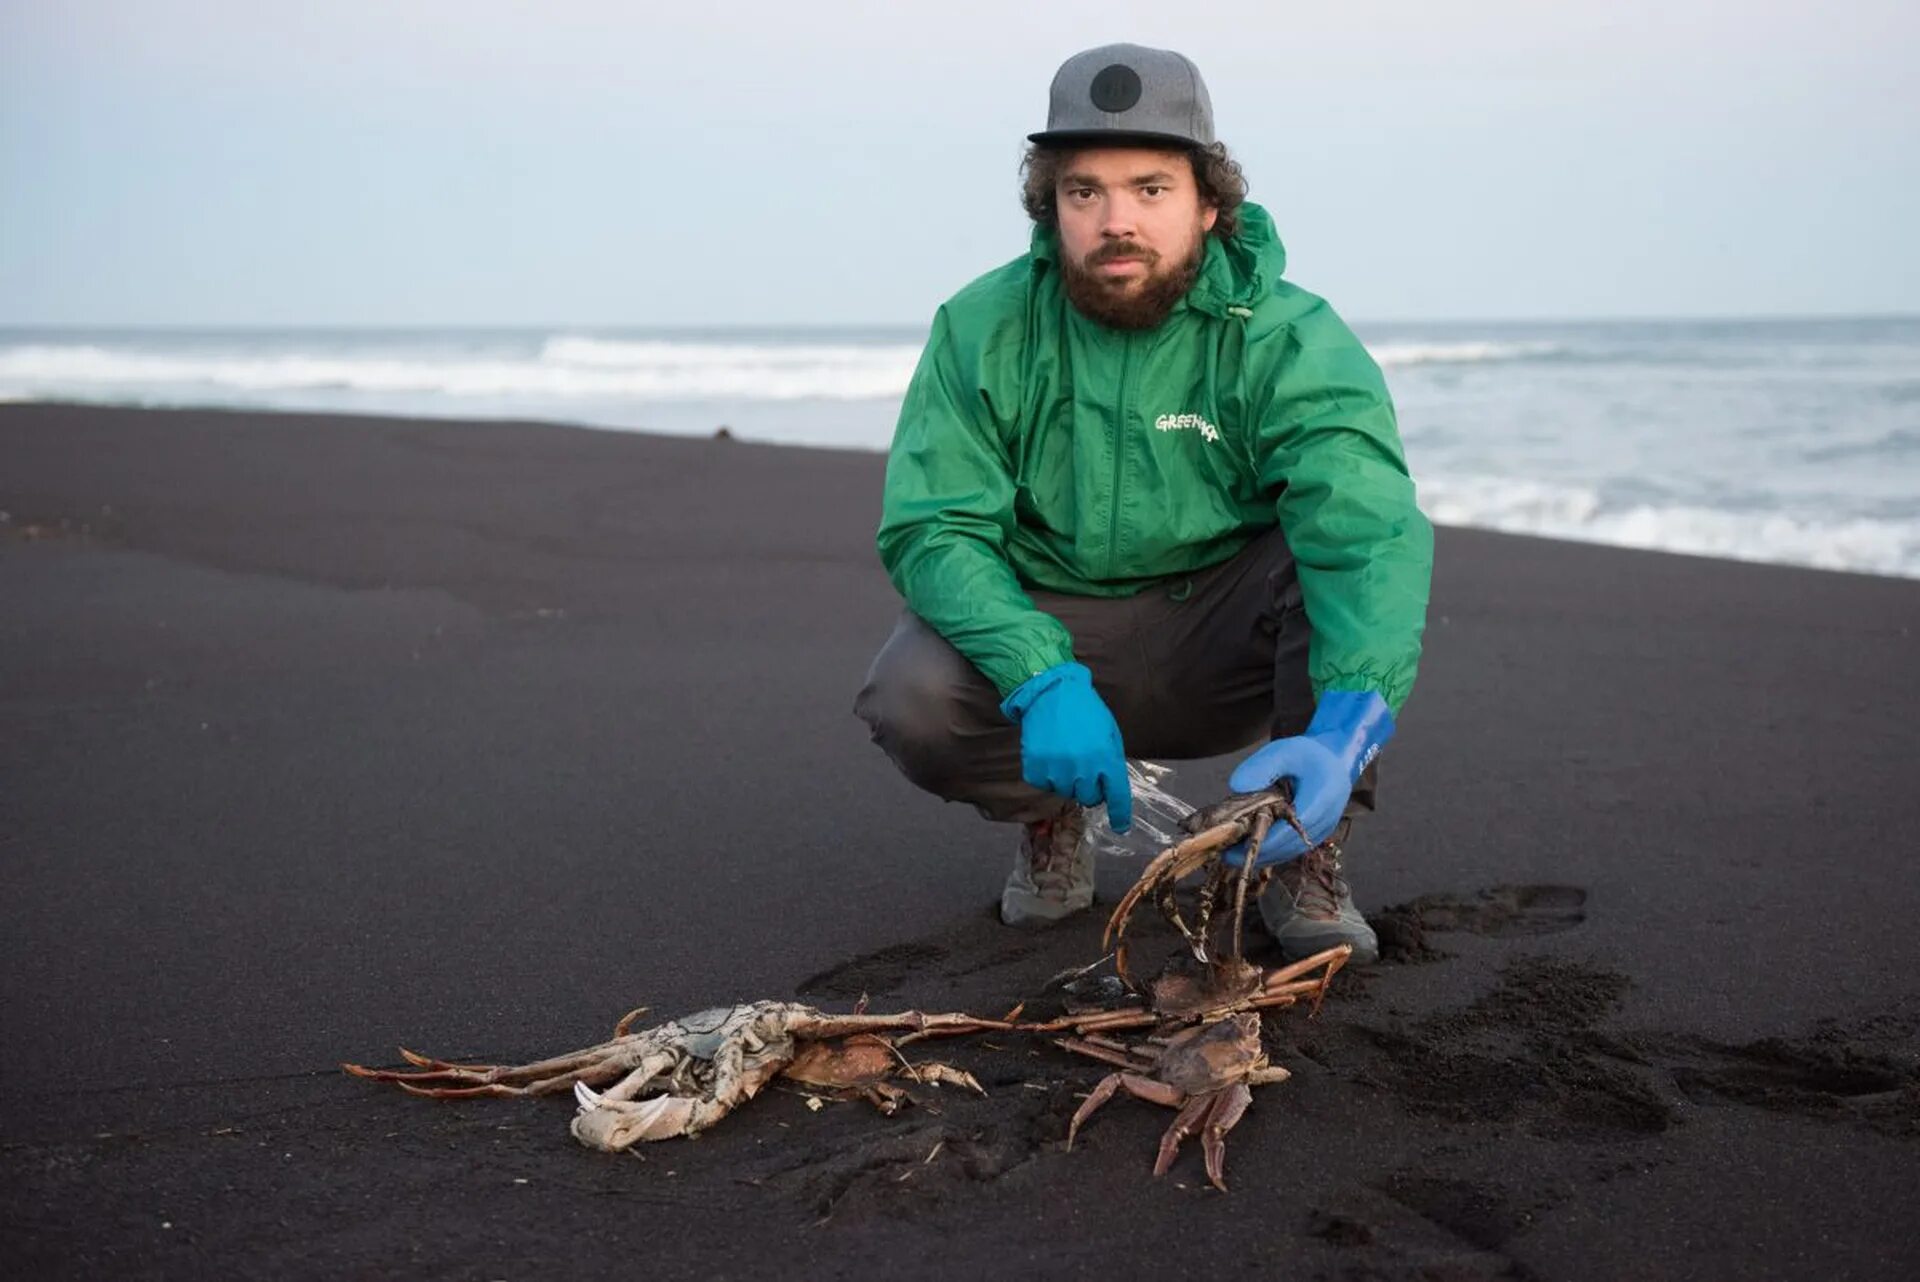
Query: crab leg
[[1272, 1001], [500, 1072], [1283, 980], [1135, 1085], [1256, 833], [1203, 910], [945, 1075], [1110, 1043], [1177, 860], [1094, 1050], [1333, 959], [595, 1064], [1104, 1020], [1163, 887], [1293, 821], [1171, 864], [1190, 1118], [1223, 1114], [1120, 958], [1112, 1020], [943, 1024], [1169, 906], [1115, 935]]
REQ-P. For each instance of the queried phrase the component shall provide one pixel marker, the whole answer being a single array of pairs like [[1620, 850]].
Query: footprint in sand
[[1505, 911], [1498, 912], [1832, 1075]]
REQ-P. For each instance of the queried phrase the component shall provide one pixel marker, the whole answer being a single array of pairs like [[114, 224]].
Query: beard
[[1125, 304]]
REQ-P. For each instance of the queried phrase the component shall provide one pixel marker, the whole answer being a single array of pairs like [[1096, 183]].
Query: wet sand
[[330, 735]]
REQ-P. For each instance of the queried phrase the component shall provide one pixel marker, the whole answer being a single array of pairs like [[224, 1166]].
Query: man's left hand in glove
[[1348, 730]]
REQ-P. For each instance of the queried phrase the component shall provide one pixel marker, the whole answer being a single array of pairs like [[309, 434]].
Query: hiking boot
[[1309, 908], [1053, 874]]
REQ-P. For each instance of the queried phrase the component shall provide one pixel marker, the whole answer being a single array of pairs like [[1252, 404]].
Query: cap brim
[[1111, 138]]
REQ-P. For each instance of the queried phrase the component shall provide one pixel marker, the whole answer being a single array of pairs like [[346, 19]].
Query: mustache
[[1113, 251]]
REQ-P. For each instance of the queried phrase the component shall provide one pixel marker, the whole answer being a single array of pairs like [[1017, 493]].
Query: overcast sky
[[480, 162]]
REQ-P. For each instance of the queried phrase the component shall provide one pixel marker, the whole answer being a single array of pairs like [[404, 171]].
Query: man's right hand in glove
[[1070, 743]]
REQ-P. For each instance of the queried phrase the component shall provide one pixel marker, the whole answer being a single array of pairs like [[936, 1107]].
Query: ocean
[[1789, 441]]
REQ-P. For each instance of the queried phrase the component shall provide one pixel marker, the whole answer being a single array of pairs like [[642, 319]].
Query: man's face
[[1132, 230]]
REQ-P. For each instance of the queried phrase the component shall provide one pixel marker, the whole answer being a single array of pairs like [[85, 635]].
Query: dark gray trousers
[[1192, 666]]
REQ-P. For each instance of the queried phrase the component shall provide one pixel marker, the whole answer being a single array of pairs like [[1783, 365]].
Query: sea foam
[[561, 368], [1790, 442], [1401, 355], [1869, 544]]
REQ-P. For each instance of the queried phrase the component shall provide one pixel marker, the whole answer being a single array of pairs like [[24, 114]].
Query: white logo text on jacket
[[1188, 423]]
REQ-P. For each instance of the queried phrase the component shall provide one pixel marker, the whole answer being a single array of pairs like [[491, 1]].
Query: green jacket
[[1037, 448]]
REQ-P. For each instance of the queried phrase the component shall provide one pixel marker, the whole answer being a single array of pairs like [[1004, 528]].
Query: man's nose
[[1119, 223]]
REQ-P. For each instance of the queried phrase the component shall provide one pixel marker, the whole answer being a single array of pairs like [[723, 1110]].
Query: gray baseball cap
[[1128, 93]]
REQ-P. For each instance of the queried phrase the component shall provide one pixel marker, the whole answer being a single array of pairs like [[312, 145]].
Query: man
[[1147, 497]]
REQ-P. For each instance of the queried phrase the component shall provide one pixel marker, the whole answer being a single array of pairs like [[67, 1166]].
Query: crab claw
[[946, 1075], [612, 1125]]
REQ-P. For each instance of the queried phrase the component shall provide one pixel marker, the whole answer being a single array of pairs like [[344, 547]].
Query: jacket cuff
[[1015, 705]]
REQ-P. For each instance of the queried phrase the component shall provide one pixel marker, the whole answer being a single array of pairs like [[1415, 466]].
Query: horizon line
[[830, 326]]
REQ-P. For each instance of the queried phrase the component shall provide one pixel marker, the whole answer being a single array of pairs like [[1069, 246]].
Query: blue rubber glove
[[1347, 731], [1069, 741]]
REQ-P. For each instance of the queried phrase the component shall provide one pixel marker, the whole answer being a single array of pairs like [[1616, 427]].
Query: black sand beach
[[325, 736]]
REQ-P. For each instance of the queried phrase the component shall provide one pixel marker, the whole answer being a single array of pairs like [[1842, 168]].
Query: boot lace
[[1322, 887]]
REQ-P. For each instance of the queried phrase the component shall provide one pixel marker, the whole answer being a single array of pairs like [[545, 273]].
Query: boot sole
[[1025, 917], [1297, 947]]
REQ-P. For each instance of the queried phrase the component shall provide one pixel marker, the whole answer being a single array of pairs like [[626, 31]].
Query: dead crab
[[1207, 1071], [1206, 1056], [1202, 993], [681, 1077], [1212, 829]]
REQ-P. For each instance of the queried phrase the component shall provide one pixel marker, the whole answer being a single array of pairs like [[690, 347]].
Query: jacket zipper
[[1119, 454]]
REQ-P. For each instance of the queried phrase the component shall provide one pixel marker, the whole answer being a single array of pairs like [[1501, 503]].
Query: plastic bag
[[1156, 816]]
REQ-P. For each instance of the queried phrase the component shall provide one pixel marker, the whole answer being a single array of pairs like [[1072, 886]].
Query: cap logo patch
[[1116, 88]]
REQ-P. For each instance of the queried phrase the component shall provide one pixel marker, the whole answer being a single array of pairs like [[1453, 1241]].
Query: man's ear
[[1209, 217]]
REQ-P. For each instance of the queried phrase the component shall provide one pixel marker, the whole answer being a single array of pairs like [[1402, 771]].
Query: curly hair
[[1216, 173]]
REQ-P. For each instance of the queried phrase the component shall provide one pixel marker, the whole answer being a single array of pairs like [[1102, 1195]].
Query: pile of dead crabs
[[1188, 1039]]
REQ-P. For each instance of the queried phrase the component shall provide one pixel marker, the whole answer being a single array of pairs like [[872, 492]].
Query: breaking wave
[[1401, 355], [1788, 442], [1872, 545], [563, 367]]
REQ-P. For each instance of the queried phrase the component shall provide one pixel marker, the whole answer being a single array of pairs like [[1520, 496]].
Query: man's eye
[[1080, 194], [1152, 191]]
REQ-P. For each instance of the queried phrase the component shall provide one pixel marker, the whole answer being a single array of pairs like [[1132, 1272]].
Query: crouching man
[[1146, 497]]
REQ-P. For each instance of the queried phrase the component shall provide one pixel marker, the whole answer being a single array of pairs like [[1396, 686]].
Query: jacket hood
[[1235, 272]]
